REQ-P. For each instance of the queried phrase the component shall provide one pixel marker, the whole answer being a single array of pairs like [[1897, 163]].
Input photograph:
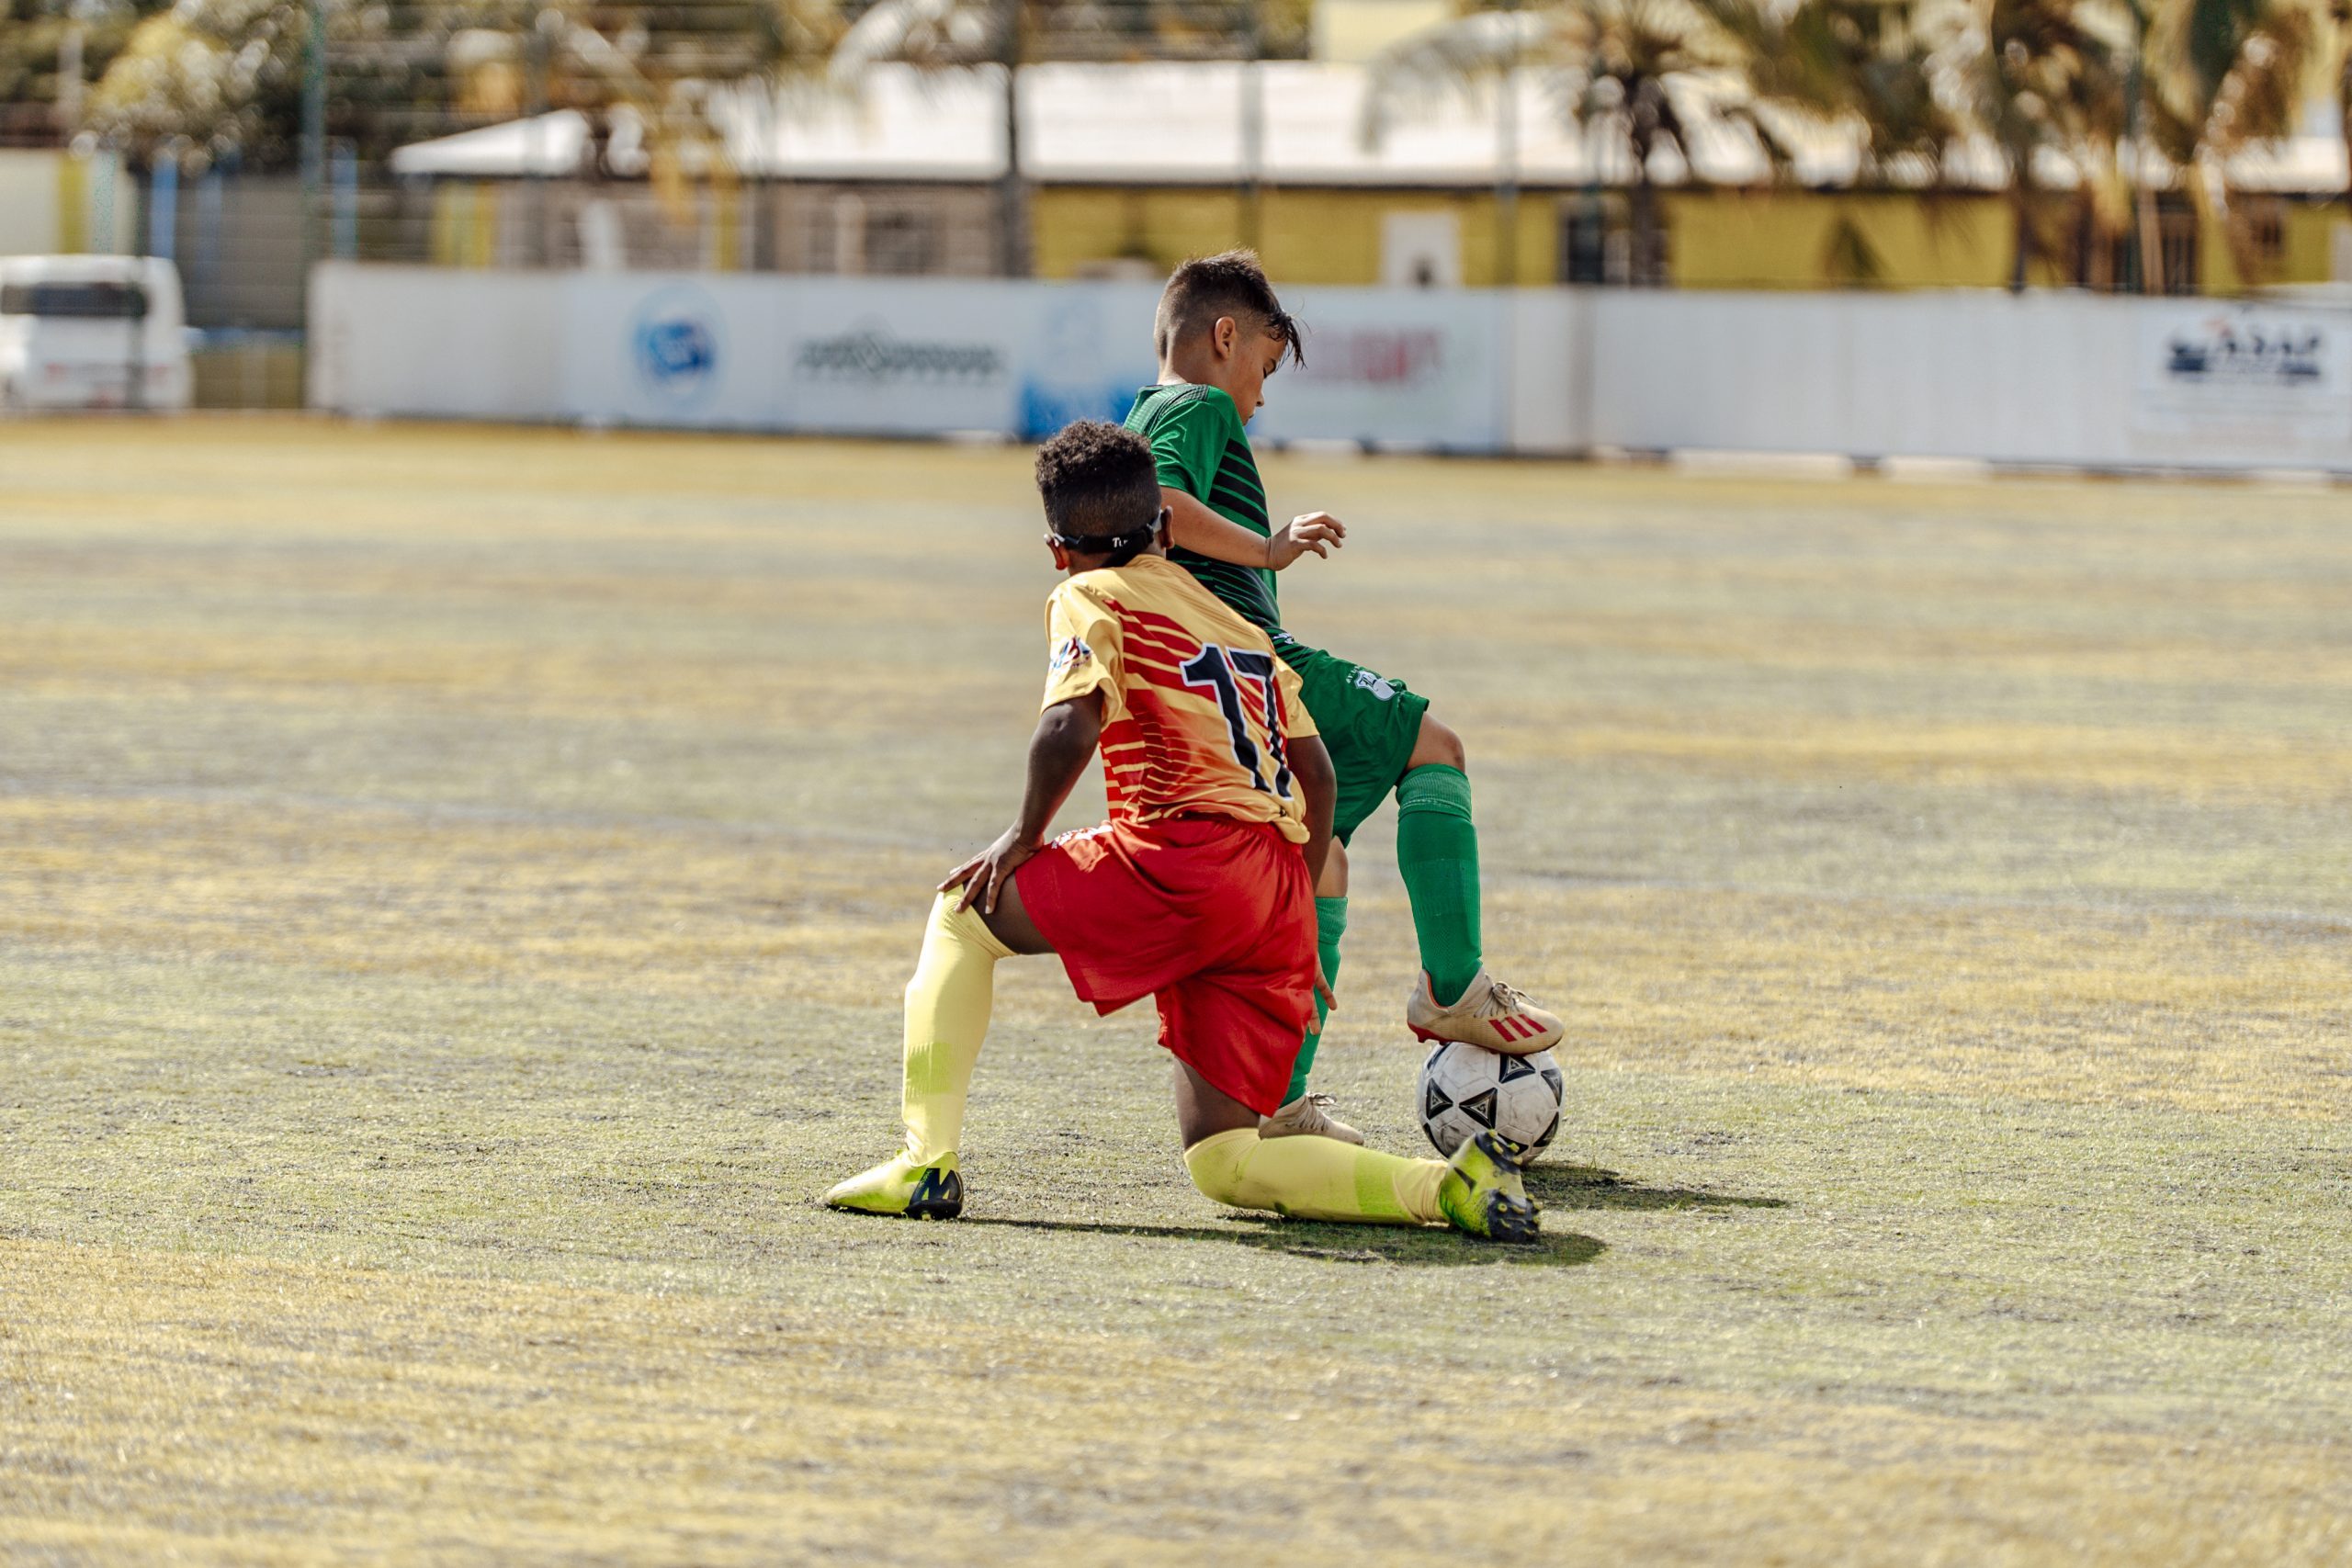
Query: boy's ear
[[1162, 532], [1061, 556], [1225, 336]]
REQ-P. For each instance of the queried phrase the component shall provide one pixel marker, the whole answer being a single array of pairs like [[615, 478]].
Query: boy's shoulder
[[1181, 400], [1153, 587]]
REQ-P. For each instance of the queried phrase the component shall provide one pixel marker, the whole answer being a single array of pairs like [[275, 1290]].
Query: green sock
[[1437, 850], [1330, 925]]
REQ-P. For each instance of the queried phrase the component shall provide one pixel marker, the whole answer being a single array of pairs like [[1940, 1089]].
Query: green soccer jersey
[[1198, 440]]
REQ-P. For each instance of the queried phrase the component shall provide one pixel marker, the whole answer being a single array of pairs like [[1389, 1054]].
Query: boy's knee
[[1333, 883], [1437, 745], [1217, 1165]]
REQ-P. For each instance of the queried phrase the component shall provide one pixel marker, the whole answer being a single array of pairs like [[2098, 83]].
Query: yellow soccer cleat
[[1489, 1014], [1481, 1193], [898, 1186]]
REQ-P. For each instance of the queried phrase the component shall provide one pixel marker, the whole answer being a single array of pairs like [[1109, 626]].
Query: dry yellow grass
[[454, 887], [349, 1413]]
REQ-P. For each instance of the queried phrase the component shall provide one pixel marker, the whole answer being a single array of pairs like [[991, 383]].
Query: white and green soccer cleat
[[1482, 1193], [898, 1186]]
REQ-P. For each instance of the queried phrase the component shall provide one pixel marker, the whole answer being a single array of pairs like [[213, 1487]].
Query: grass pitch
[[454, 887]]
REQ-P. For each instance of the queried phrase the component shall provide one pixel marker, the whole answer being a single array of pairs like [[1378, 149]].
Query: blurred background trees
[[2082, 111]]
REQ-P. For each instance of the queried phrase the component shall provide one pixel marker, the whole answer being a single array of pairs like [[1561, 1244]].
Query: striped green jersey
[[1197, 439]]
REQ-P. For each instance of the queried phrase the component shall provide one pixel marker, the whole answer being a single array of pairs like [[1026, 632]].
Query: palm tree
[[1867, 68], [2339, 12], [2225, 75], [2049, 83], [1635, 77]]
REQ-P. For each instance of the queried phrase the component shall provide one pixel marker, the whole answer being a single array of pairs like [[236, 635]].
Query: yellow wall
[[2311, 241], [1791, 239], [2305, 257], [1717, 240], [1307, 236], [1773, 238], [1355, 30], [1769, 239], [1072, 226]]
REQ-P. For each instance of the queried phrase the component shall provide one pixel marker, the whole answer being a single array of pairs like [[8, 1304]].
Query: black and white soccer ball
[[1467, 1089]]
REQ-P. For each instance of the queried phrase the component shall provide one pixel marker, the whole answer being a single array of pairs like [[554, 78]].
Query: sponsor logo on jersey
[[1070, 650], [1380, 686]]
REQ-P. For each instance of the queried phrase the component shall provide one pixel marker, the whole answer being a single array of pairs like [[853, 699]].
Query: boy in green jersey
[[1219, 335]]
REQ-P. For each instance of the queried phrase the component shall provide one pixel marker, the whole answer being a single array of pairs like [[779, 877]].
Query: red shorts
[[1213, 919]]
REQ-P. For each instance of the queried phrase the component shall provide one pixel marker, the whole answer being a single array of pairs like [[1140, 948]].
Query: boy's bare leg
[[1437, 853], [1322, 1179], [1303, 1113], [1010, 923]]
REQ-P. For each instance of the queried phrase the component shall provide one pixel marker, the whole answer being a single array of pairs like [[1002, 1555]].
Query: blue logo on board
[[1081, 369], [675, 346]]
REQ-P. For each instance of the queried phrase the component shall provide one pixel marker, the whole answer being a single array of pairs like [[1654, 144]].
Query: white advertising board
[[2046, 378], [669, 350], [2212, 374], [1394, 367], [904, 362], [878, 356], [1087, 351], [854, 357]]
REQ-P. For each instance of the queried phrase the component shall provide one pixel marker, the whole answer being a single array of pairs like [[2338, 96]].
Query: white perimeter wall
[[2043, 379]]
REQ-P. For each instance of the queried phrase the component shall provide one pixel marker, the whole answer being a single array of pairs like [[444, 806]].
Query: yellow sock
[[947, 1016], [1315, 1179]]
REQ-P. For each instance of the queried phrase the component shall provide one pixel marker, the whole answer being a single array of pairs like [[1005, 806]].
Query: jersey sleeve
[[1087, 652], [1297, 720], [1188, 442]]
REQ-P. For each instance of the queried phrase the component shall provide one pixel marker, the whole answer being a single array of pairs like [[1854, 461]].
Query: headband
[[1109, 544]]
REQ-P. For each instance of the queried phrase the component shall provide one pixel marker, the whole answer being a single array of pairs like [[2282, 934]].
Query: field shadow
[[1590, 1187], [1418, 1247]]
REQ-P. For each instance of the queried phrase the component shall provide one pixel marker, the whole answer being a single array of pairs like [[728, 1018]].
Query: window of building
[[901, 241], [1596, 242]]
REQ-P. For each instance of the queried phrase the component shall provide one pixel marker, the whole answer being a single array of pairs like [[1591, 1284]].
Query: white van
[[92, 333]]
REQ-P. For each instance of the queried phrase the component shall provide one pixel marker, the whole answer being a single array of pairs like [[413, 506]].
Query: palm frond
[[939, 34], [1449, 59]]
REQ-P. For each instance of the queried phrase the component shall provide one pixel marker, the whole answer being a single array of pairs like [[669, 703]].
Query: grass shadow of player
[[1412, 1246], [1590, 1187]]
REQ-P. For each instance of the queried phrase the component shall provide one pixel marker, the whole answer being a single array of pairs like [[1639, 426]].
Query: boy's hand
[[1323, 986], [983, 876], [1316, 531]]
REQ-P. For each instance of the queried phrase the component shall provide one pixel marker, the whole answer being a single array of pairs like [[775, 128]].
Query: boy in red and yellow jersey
[[1198, 892]]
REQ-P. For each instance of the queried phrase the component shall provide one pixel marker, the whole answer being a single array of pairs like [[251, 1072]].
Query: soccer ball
[[1467, 1090]]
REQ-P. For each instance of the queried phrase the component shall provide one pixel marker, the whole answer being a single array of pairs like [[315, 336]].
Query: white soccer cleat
[[1308, 1116], [1489, 1014]]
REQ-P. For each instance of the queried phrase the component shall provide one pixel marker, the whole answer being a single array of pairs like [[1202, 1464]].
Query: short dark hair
[[1231, 282], [1100, 485]]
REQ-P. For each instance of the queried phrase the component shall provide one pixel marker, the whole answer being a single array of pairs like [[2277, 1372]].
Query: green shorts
[[1369, 724]]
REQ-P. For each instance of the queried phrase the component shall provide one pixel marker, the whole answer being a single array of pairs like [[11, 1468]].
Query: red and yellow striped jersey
[[1196, 705]]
